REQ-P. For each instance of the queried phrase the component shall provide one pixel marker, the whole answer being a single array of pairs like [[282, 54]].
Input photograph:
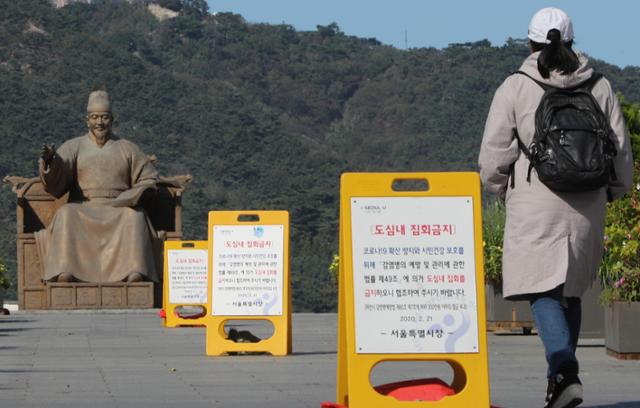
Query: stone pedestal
[[120, 295]]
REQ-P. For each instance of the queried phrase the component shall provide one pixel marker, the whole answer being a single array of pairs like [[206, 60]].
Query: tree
[[198, 8]]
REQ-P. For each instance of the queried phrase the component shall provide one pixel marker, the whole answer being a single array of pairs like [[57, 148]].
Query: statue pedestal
[[119, 295]]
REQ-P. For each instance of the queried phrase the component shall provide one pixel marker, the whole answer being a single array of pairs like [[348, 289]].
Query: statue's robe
[[100, 235]]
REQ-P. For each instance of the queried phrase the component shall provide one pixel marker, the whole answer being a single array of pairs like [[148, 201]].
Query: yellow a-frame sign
[[184, 282], [248, 278], [411, 283]]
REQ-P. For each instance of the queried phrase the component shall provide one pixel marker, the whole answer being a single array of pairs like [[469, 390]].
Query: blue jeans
[[558, 321]]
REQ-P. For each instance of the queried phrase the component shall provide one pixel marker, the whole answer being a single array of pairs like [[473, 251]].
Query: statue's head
[[99, 117]]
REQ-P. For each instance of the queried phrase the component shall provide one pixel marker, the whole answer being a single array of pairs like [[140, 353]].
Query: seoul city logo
[[258, 232]]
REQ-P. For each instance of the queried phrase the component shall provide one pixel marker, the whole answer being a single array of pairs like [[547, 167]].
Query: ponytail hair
[[555, 55]]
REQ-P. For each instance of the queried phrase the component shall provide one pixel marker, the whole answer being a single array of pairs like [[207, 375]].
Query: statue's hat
[[99, 102]]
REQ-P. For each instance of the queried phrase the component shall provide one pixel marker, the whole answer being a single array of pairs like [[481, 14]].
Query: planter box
[[592, 326], [622, 330], [506, 314]]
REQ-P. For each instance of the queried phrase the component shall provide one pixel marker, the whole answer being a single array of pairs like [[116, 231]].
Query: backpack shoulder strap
[[520, 144], [527, 154], [542, 84]]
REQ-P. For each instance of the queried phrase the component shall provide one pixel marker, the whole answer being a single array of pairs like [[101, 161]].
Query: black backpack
[[571, 150]]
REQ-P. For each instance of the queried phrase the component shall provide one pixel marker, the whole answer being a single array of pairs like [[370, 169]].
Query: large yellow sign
[[184, 297], [248, 278], [411, 283]]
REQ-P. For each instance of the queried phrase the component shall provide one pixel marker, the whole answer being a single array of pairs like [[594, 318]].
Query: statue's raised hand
[[47, 152]]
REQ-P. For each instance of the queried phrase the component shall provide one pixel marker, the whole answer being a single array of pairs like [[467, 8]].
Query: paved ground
[[126, 359]]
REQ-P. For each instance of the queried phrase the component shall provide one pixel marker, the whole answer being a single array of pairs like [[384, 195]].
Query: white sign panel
[[248, 270], [414, 275], [187, 276]]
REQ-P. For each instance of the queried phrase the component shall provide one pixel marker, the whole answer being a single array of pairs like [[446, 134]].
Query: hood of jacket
[[556, 79]]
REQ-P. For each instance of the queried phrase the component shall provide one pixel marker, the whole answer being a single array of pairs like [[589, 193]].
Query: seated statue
[[102, 234]]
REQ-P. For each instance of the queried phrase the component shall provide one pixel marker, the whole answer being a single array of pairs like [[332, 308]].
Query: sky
[[604, 29]]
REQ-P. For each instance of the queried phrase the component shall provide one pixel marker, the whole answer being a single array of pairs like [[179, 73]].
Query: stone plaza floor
[[101, 359]]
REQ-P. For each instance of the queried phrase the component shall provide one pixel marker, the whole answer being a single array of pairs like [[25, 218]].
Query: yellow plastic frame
[[171, 320], [279, 344], [471, 370]]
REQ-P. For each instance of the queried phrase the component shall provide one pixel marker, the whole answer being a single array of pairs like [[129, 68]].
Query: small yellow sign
[[184, 297], [411, 283], [248, 279]]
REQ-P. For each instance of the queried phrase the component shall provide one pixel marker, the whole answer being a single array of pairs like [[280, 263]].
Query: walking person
[[554, 229]]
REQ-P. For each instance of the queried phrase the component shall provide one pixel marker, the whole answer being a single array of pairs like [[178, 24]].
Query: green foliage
[[262, 116], [4, 279], [625, 289], [620, 268], [493, 218], [195, 7], [631, 113], [334, 268]]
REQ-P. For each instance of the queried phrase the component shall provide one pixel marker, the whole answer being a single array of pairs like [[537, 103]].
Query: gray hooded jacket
[[550, 238]]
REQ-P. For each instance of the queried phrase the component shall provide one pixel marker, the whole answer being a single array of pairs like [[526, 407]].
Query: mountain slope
[[263, 117]]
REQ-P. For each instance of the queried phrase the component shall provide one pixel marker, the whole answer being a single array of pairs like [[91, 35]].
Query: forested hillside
[[262, 116]]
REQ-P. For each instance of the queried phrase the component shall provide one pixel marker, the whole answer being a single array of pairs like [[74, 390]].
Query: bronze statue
[[101, 234]]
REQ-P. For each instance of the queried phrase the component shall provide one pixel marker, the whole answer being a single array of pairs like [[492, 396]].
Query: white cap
[[547, 19]]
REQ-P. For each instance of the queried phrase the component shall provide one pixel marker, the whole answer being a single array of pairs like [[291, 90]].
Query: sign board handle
[[248, 218], [410, 184]]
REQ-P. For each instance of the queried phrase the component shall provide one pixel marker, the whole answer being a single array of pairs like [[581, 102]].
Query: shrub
[[334, 269], [4, 279], [493, 217], [620, 268]]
